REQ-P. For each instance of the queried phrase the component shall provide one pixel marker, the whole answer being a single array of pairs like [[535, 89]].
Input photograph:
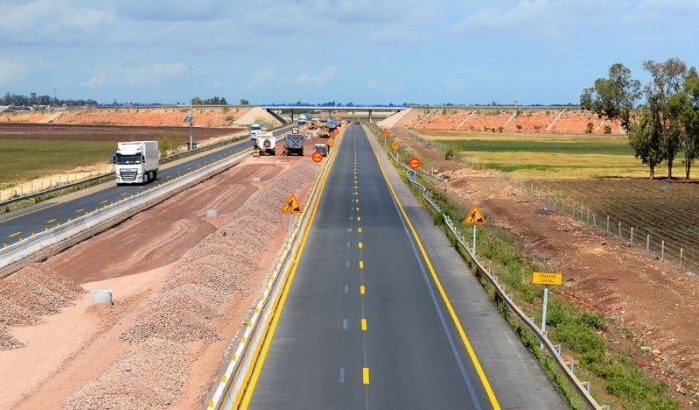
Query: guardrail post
[[571, 365], [648, 243], [588, 386], [681, 256], [631, 237]]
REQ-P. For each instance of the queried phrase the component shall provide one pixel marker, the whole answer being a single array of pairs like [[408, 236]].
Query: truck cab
[[136, 162]]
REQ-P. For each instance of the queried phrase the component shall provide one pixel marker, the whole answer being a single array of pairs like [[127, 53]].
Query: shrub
[[590, 127], [449, 154], [607, 129]]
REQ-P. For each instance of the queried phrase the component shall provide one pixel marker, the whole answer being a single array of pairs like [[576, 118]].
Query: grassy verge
[[583, 335]]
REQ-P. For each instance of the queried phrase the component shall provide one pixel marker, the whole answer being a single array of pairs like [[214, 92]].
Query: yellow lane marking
[[362, 289], [254, 372], [360, 245], [51, 220], [14, 234], [365, 375], [361, 264], [438, 284], [357, 200], [359, 218], [104, 202], [79, 210], [364, 326], [359, 230], [357, 209]]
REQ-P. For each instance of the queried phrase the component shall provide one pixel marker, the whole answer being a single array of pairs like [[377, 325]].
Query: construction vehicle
[[293, 144], [265, 142], [136, 162], [254, 128], [324, 131]]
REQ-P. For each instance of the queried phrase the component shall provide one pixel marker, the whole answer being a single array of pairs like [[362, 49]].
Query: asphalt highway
[[363, 325], [24, 222]]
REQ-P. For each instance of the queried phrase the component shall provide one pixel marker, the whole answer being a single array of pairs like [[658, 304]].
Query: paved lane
[[363, 325]]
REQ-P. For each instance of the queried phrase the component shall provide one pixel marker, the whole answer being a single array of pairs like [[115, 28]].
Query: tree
[[243, 101], [687, 103], [668, 80], [614, 97], [644, 138]]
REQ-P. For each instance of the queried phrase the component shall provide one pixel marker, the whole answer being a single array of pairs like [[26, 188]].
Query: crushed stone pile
[[218, 273], [29, 294], [148, 375]]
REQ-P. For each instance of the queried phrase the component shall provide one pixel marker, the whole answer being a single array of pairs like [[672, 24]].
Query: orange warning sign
[[292, 205], [386, 134], [394, 145], [335, 132], [331, 141], [414, 163], [317, 157], [475, 217]]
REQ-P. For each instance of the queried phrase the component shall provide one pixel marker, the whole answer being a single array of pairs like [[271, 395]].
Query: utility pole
[[191, 106]]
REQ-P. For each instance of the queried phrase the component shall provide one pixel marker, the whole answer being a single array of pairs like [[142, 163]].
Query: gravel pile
[[193, 300], [148, 375], [28, 295]]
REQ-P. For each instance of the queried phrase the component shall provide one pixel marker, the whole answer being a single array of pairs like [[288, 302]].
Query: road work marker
[[317, 157], [414, 163], [292, 205], [361, 264], [364, 325], [362, 289], [359, 244], [365, 375], [475, 217], [394, 145]]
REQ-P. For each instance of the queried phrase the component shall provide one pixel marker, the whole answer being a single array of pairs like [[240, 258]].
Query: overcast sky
[[475, 51]]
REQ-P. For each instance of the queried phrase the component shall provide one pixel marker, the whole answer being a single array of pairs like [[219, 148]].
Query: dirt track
[[655, 301]]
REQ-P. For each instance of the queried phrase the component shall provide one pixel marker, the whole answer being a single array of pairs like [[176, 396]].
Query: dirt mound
[[149, 375], [31, 293], [7, 341]]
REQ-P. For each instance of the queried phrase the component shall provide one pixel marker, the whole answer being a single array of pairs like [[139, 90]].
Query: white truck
[[266, 142], [136, 162]]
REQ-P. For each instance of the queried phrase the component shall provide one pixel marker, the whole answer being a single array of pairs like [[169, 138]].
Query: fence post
[[662, 250], [620, 230], [681, 256], [631, 240], [594, 220], [648, 243], [607, 223]]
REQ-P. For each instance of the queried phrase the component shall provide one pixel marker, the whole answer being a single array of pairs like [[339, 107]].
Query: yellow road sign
[[542, 278], [394, 145], [292, 205], [475, 217], [331, 141]]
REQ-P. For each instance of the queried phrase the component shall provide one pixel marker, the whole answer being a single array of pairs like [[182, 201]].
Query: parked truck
[[265, 142], [136, 162], [293, 144]]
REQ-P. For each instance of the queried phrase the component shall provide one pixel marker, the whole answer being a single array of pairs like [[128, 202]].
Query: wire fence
[[655, 245]]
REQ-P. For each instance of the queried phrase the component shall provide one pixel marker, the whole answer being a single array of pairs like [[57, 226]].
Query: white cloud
[[318, 79], [10, 70], [169, 70], [654, 10], [263, 76], [488, 20], [395, 36], [95, 80]]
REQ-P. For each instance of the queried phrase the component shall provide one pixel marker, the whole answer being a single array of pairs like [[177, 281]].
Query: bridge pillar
[[292, 115], [370, 117]]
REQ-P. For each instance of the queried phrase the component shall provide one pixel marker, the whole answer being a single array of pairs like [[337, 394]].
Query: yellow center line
[[51, 220], [79, 210], [365, 375], [360, 245], [359, 230], [362, 289], [14, 234], [361, 264], [359, 218], [364, 324]]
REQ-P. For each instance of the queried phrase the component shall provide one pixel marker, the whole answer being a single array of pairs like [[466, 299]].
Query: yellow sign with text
[[542, 278]]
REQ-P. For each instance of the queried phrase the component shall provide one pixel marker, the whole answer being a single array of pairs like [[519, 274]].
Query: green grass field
[[546, 155], [24, 160]]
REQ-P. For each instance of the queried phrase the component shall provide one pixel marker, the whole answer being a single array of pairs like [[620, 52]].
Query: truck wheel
[[145, 177], [273, 152], [155, 175]]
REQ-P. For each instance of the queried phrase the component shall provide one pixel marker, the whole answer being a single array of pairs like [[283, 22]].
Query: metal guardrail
[[169, 158], [23, 250], [234, 379], [583, 388]]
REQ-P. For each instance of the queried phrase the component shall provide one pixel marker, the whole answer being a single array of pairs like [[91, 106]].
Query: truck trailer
[[136, 162], [293, 144]]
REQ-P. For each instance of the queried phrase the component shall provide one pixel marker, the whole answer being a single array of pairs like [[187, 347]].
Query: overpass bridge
[[293, 109]]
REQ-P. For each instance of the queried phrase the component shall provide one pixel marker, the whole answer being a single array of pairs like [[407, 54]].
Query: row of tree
[[209, 101], [666, 124], [34, 99]]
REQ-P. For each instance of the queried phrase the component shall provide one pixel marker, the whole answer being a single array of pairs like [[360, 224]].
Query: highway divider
[[236, 376], [51, 241], [582, 388]]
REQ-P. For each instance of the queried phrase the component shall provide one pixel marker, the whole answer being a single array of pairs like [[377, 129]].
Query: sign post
[[386, 134], [475, 217], [541, 278]]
